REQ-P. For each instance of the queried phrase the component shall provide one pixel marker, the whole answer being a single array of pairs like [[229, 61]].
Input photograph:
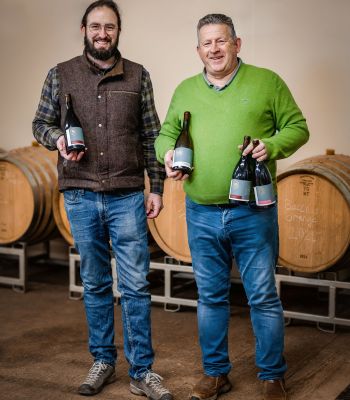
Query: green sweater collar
[[220, 88]]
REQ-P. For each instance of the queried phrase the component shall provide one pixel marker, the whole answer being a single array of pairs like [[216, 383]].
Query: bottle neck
[[68, 102], [185, 126]]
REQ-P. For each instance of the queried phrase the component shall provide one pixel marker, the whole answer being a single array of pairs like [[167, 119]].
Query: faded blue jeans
[[216, 234], [95, 219]]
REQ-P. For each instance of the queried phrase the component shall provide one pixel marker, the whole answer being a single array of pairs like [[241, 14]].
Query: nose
[[102, 32], [214, 47]]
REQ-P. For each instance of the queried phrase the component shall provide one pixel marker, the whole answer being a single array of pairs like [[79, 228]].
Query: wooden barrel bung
[[314, 213], [169, 229]]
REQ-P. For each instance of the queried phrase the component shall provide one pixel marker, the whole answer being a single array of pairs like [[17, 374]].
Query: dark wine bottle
[[262, 183], [242, 177], [74, 136], [183, 151]]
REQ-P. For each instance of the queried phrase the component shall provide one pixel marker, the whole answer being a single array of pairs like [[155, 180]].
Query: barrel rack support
[[19, 250], [75, 290], [169, 266], [320, 282], [22, 250], [171, 302]]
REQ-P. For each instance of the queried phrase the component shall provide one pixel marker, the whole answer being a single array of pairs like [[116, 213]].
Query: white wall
[[305, 41]]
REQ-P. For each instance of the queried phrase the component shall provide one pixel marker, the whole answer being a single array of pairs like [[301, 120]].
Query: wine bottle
[[242, 177], [74, 136], [183, 151], [262, 183]]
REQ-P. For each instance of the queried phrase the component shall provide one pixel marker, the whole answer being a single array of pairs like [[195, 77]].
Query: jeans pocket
[[73, 196]]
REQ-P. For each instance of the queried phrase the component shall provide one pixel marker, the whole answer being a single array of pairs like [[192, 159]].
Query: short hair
[[102, 3], [217, 19]]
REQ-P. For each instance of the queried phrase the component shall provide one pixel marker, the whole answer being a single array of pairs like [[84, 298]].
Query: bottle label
[[240, 190], [264, 195], [182, 157], [75, 136]]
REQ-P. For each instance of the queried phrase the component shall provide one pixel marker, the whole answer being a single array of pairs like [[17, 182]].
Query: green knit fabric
[[257, 103]]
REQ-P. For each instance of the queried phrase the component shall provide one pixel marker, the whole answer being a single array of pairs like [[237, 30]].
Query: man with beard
[[103, 191]]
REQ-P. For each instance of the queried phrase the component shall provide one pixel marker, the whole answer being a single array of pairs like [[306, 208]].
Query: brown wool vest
[[109, 110]]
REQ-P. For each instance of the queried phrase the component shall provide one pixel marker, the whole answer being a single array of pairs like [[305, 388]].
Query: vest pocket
[[123, 109]]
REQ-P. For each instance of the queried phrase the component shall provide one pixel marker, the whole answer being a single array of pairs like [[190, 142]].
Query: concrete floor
[[43, 348]]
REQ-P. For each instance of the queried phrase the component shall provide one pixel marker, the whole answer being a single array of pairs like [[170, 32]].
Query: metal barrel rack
[[330, 281], [21, 252]]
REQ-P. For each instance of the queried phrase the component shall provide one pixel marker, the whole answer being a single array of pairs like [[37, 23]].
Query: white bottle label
[[182, 157], [75, 136], [240, 190], [264, 195]]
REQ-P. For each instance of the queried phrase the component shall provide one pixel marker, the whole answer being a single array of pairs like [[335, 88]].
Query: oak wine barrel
[[314, 213], [169, 229], [60, 216], [27, 178]]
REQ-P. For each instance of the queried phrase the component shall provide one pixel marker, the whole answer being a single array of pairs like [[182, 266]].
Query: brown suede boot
[[210, 387], [274, 390]]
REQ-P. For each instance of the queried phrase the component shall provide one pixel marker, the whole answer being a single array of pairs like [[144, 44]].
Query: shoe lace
[[95, 372], [154, 381]]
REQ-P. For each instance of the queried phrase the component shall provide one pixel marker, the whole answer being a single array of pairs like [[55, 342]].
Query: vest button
[[101, 153], [100, 125], [99, 96]]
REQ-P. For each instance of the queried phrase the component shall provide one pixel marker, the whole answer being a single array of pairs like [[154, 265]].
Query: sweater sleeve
[[169, 132], [291, 128]]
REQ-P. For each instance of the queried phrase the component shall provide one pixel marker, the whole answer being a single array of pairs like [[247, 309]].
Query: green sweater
[[256, 103]]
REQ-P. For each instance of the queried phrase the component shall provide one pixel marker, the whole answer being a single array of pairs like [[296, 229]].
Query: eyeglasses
[[96, 28]]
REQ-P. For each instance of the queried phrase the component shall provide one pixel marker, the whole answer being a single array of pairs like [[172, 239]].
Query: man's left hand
[[258, 153], [154, 205]]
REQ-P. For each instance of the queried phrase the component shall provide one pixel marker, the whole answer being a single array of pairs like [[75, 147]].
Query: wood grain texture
[[27, 178], [314, 213], [169, 229]]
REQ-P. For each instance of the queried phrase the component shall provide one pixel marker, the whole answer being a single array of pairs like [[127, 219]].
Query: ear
[[82, 30], [238, 44]]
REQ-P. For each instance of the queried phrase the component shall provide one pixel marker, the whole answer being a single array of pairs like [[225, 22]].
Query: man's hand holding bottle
[[177, 175], [73, 155]]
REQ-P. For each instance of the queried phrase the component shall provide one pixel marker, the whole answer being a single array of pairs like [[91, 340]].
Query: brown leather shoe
[[210, 387], [274, 390]]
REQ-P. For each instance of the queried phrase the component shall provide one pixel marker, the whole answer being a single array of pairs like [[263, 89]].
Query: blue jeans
[[216, 234], [96, 219]]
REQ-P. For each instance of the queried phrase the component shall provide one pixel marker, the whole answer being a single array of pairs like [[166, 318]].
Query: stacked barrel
[[313, 208], [27, 179], [314, 213]]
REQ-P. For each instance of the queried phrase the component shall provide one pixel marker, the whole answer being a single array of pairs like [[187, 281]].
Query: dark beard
[[102, 55]]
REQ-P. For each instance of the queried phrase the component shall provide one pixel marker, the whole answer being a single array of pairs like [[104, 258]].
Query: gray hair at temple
[[217, 19]]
